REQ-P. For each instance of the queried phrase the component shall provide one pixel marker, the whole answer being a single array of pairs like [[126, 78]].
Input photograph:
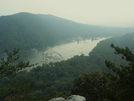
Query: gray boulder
[[70, 98], [76, 98], [58, 99]]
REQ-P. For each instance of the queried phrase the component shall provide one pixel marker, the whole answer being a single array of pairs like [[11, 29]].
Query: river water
[[64, 51]]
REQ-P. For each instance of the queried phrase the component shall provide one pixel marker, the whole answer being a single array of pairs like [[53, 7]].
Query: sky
[[93, 12]]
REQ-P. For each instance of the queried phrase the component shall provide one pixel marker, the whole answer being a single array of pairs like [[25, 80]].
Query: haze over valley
[[27, 31], [66, 49], [33, 34]]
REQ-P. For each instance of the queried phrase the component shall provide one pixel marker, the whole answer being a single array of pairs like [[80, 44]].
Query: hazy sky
[[97, 12]]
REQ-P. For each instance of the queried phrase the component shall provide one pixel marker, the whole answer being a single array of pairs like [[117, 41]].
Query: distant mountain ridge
[[27, 31]]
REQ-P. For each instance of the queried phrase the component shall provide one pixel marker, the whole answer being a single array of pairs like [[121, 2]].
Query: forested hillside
[[26, 31], [46, 80], [57, 79]]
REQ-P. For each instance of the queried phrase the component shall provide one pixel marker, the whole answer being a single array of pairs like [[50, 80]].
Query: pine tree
[[9, 67], [124, 83]]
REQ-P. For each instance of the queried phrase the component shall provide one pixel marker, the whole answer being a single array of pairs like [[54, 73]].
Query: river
[[64, 51]]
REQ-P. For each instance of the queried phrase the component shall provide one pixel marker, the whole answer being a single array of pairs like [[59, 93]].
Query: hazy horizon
[[116, 13]]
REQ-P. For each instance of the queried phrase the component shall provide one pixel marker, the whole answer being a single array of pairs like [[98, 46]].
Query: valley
[[68, 54], [77, 46], [28, 31]]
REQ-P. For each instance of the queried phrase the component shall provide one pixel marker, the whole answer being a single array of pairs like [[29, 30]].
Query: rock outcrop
[[76, 98], [70, 98], [58, 99]]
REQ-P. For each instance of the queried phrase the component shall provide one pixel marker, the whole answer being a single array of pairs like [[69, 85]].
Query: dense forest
[[93, 76], [27, 31]]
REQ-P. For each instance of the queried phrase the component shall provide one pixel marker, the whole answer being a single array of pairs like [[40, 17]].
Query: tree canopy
[[124, 74], [9, 67], [113, 86]]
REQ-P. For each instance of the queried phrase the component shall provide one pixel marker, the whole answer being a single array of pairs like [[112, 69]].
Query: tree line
[[83, 75]]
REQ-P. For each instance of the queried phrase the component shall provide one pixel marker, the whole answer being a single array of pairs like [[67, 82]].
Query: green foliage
[[51, 80], [104, 52], [59, 77], [124, 74], [56, 77], [94, 86], [9, 67], [114, 86], [27, 31]]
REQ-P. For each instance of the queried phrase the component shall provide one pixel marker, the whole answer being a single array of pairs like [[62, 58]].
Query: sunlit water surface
[[64, 51]]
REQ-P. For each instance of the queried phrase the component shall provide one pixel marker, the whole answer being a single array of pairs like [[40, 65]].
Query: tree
[[124, 83], [9, 67], [94, 86]]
